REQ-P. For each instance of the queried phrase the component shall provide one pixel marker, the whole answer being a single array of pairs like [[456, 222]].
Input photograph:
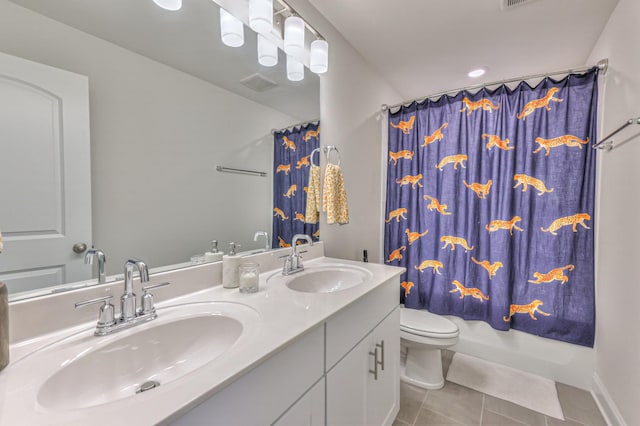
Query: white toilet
[[423, 335]]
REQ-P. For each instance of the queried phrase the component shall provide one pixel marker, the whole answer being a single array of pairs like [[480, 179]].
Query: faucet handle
[[147, 298], [106, 316]]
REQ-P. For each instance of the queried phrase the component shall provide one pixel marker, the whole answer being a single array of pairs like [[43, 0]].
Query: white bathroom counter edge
[[285, 314]]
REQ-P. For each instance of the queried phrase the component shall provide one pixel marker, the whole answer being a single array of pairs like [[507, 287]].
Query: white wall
[[351, 94], [618, 285], [156, 136]]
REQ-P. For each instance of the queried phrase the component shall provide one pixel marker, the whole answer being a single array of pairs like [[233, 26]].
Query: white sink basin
[[328, 278], [101, 370]]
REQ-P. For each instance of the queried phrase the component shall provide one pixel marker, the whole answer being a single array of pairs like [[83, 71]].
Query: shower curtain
[[490, 206], [292, 161]]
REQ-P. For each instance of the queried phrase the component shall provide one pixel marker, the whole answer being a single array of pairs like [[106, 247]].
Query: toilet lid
[[424, 323]]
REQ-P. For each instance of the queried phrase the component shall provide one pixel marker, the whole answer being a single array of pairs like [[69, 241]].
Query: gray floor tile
[[411, 398], [578, 405], [513, 411], [397, 422], [489, 418], [431, 418], [456, 402]]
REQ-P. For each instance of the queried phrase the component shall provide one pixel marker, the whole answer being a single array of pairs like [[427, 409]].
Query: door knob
[[79, 248]]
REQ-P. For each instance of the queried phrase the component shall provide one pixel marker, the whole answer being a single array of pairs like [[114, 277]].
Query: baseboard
[[605, 403]]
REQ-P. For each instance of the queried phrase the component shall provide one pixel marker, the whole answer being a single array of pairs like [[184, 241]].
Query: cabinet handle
[[375, 363], [381, 346]]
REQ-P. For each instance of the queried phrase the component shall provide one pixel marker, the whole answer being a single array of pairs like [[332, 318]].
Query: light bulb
[[169, 4], [231, 29], [294, 36], [267, 52], [319, 56], [295, 69], [261, 16]]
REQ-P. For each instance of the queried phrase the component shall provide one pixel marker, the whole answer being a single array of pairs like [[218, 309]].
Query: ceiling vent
[[510, 4], [258, 83]]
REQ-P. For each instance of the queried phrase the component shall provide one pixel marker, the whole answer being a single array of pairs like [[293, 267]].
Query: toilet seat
[[424, 323]]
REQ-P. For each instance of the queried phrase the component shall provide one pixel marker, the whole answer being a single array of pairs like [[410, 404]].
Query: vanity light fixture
[[319, 56], [267, 52], [231, 29], [294, 36], [295, 69], [261, 16], [172, 5], [477, 72]]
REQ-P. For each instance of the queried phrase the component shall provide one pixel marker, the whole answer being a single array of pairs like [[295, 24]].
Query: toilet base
[[423, 368]]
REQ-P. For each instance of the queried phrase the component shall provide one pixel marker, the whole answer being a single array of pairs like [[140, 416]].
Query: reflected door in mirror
[[45, 182]]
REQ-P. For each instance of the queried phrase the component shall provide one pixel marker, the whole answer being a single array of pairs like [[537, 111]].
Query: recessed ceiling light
[[477, 72]]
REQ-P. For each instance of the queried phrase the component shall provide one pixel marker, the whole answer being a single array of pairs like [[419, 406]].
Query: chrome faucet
[[266, 239], [293, 262], [99, 254], [129, 316], [128, 299]]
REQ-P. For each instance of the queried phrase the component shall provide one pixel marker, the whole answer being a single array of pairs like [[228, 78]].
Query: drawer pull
[[375, 363], [381, 346]]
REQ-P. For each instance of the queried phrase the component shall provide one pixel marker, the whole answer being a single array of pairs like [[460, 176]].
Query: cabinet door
[[308, 411], [383, 393], [347, 387]]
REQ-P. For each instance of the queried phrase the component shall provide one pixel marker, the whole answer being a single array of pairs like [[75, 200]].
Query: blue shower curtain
[[490, 206], [292, 161]]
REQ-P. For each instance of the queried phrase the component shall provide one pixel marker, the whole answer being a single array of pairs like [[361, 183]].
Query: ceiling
[[187, 40], [419, 47], [427, 46]]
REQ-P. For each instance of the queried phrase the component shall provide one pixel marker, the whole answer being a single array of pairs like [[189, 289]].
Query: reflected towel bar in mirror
[[241, 171]]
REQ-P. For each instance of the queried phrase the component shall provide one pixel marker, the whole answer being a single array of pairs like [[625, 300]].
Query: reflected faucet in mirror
[[267, 243], [99, 254]]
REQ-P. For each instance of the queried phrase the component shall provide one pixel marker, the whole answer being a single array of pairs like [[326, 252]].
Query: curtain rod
[[602, 64], [304, 123]]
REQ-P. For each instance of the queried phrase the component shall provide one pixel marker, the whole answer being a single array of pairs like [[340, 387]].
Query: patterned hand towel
[[312, 210], [334, 196]]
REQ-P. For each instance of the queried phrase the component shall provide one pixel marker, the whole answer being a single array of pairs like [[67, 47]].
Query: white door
[[45, 179]]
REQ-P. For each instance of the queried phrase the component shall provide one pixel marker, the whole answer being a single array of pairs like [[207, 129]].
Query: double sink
[[81, 371]]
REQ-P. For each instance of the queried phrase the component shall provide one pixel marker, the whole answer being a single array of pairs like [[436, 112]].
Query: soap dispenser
[[230, 265], [214, 255]]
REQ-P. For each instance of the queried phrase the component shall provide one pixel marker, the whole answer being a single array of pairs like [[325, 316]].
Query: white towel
[[334, 196]]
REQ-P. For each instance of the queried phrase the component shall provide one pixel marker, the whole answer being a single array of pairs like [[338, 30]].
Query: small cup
[[248, 276]]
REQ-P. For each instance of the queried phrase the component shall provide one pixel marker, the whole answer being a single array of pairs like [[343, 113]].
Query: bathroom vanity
[[317, 347]]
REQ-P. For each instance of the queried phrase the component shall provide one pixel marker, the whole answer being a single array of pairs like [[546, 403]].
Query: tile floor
[[457, 405]]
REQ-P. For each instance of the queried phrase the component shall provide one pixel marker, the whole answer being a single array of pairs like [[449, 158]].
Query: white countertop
[[284, 316]]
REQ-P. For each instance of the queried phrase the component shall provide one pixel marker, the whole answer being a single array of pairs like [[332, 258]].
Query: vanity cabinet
[[363, 387], [324, 377], [286, 383]]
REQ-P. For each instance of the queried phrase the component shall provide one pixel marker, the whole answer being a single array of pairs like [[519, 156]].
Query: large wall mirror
[[168, 102]]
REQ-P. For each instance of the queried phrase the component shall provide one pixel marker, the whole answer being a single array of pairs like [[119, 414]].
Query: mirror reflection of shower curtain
[[292, 162], [490, 206]]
